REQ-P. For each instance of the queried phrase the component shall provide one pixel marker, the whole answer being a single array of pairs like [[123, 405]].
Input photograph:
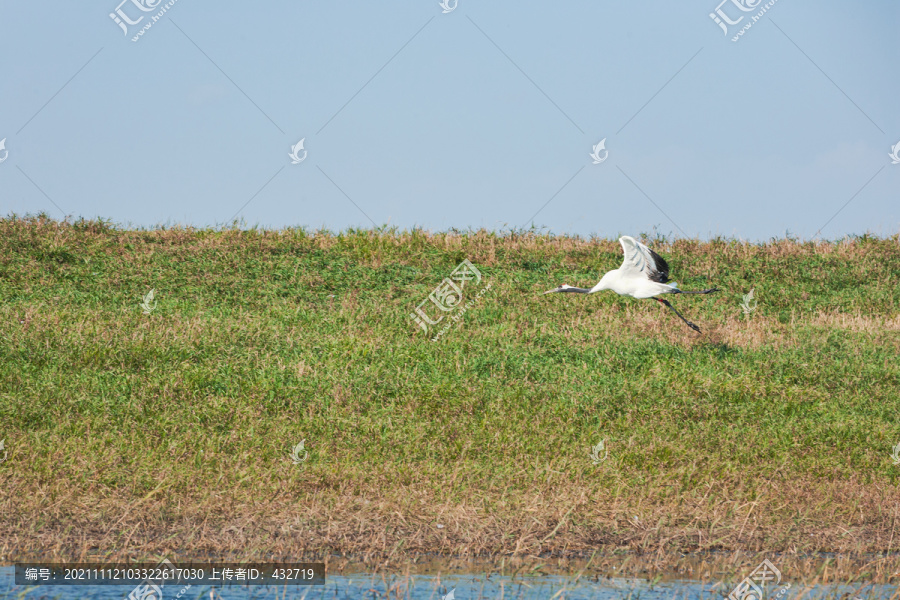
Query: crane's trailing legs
[[709, 291], [669, 304], [677, 291]]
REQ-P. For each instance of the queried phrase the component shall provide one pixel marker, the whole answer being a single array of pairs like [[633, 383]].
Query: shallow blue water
[[430, 587]]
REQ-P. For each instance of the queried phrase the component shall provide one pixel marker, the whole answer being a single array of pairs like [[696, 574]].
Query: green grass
[[768, 432]]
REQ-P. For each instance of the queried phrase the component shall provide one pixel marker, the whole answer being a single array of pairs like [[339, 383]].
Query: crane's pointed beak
[[553, 291]]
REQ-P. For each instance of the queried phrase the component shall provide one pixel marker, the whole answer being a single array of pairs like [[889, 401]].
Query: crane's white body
[[625, 283]]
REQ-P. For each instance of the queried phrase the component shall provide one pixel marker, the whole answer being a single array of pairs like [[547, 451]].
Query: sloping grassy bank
[[135, 433]]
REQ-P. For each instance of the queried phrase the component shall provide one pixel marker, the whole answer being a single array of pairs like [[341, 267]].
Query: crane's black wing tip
[[659, 274]]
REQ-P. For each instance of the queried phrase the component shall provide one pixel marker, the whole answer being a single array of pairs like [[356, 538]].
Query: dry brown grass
[[380, 521]]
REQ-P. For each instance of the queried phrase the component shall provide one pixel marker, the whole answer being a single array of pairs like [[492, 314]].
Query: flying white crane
[[643, 274]]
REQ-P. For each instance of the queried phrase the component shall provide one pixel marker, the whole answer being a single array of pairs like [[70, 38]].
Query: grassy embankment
[[130, 433]]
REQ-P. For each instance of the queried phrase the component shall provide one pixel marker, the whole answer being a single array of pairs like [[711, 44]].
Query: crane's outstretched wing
[[641, 259]]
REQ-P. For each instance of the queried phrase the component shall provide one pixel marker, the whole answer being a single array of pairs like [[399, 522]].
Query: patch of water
[[464, 587]]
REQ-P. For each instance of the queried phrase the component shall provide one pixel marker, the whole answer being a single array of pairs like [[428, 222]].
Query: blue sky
[[484, 116]]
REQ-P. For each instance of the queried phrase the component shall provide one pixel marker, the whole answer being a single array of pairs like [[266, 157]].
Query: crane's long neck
[[569, 289]]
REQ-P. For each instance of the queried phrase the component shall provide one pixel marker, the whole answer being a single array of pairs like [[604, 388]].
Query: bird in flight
[[643, 274]]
